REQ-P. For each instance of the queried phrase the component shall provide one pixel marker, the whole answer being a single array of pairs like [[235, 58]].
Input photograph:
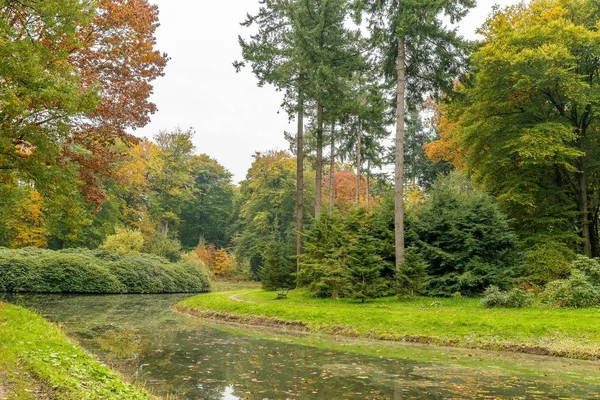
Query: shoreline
[[249, 319]]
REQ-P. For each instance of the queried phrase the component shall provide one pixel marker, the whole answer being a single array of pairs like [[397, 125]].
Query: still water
[[179, 357]]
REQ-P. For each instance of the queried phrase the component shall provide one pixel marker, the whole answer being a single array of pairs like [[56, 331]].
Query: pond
[[181, 357]]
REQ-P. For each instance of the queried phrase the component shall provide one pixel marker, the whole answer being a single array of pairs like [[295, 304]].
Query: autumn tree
[[119, 59], [422, 55], [527, 121]]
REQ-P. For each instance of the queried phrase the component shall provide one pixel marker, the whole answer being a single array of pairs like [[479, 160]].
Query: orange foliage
[[118, 54], [345, 191], [220, 262], [447, 147]]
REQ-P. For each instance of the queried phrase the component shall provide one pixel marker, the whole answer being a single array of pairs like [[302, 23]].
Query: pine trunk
[[332, 167], [358, 162], [319, 162], [299, 183], [399, 181], [367, 200]]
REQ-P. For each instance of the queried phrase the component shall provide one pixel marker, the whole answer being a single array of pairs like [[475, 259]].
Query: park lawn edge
[[231, 307], [37, 360]]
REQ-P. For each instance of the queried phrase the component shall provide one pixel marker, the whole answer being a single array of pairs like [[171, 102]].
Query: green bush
[[577, 291], [548, 262], [124, 242], [515, 298], [93, 271], [589, 266], [162, 245]]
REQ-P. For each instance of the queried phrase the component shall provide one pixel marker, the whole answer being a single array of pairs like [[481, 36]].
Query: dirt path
[[233, 297]]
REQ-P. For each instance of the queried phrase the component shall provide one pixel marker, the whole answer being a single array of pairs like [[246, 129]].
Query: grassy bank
[[95, 271], [458, 322], [37, 361]]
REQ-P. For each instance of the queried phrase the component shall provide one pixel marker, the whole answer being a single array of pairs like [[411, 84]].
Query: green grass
[[37, 361], [460, 322]]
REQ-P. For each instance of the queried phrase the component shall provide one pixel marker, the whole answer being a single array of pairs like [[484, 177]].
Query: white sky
[[232, 116]]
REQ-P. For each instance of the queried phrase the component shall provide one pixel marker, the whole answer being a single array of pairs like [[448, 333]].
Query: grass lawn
[[460, 322], [37, 361]]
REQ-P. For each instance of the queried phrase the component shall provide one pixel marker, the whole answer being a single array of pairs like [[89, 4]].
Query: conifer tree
[[422, 56]]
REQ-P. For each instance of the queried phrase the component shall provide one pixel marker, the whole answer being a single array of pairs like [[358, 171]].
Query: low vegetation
[[457, 322], [37, 361], [96, 271]]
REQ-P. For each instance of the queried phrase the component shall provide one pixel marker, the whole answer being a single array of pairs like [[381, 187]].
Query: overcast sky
[[232, 117]]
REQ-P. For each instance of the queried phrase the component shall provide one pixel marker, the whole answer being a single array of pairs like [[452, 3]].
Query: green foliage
[[124, 242], [95, 271], [464, 237], [345, 256], [525, 116], [206, 216], [266, 207], [547, 262], [590, 267], [577, 291], [162, 245], [515, 298], [277, 271], [411, 279]]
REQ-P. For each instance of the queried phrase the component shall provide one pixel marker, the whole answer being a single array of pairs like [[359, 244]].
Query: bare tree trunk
[[358, 161], [368, 184], [399, 195], [299, 183], [319, 162], [584, 209], [332, 167]]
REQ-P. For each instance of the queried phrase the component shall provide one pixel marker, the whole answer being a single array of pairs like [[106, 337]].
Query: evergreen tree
[[411, 279], [423, 56], [365, 267]]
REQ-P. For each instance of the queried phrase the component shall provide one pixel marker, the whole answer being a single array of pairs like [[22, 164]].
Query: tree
[[411, 279], [205, 217], [40, 90], [118, 59], [266, 204], [273, 53], [171, 182], [423, 56], [464, 237], [526, 118]]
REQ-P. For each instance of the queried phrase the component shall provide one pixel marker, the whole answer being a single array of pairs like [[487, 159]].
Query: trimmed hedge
[[95, 272]]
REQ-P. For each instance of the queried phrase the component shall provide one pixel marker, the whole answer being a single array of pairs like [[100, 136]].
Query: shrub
[[515, 298], [589, 266], [162, 245], [547, 262], [124, 242], [577, 291], [90, 271]]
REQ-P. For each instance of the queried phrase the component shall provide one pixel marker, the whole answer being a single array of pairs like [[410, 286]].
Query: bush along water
[[581, 289], [96, 271]]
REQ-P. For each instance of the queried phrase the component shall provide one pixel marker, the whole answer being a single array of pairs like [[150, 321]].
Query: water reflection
[[176, 355]]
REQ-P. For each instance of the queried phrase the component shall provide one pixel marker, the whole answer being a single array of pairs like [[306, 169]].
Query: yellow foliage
[[27, 223]]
